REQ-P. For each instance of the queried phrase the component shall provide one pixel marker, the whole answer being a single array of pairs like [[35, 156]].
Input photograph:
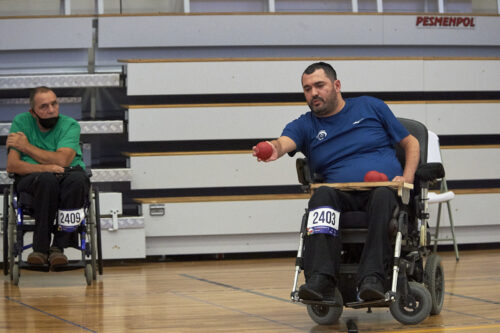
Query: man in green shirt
[[45, 155]]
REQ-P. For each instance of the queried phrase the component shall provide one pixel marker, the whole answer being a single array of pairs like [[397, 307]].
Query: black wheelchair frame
[[415, 292], [15, 210]]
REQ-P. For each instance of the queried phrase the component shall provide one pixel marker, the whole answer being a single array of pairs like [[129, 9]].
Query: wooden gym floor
[[228, 296]]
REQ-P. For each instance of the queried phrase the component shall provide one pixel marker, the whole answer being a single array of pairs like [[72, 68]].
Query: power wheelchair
[[416, 290], [17, 221]]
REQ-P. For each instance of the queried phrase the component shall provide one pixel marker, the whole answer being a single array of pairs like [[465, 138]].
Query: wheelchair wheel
[[92, 232], [15, 274], [5, 228], [11, 237], [434, 281], [415, 308], [327, 315], [89, 274]]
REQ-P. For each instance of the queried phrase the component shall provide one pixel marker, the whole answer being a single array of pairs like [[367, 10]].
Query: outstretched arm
[[281, 146], [412, 156]]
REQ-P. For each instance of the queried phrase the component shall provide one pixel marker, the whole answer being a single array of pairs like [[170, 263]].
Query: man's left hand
[[402, 179]]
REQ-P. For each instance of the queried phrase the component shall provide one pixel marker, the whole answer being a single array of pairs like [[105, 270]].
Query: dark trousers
[[51, 192], [322, 251]]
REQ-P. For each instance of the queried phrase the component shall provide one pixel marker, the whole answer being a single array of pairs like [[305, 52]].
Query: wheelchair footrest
[[365, 304], [325, 303]]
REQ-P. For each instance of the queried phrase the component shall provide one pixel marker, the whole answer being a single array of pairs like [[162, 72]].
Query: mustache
[[317, 99]]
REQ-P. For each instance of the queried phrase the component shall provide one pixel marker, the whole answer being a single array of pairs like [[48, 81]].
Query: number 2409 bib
[[323, 220], [70, 219]]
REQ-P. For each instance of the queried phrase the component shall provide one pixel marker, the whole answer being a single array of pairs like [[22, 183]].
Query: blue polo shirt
[[343, 147]]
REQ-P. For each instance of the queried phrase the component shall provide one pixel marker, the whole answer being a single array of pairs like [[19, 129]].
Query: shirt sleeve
[[71, 137], [295, 131], [393, 126]]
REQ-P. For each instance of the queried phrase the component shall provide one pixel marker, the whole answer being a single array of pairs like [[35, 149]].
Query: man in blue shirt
[[343, 139]]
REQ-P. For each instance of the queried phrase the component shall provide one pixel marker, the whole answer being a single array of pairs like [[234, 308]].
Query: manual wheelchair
[[17, 221], [416, 290]]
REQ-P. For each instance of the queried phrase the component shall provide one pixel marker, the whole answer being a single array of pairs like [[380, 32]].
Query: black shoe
[[371, 289], [318, 286]]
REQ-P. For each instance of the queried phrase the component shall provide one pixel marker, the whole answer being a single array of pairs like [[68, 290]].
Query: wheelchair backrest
[[419, 131]]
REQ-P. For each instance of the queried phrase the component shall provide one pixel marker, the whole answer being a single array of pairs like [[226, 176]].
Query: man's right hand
[[54, 168], [17, 140]]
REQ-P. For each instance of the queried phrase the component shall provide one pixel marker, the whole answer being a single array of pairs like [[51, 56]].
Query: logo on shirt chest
[[321, 135]]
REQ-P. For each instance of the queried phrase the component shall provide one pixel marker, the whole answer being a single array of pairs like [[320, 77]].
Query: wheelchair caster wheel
[[415, 307], [324, 314], [88, 274], [15, 274]]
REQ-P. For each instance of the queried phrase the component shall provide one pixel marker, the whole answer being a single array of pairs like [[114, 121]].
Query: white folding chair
[[443, 197]]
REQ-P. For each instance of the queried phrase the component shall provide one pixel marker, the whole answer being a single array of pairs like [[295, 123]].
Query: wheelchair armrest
[[430, 171], [303, 171]]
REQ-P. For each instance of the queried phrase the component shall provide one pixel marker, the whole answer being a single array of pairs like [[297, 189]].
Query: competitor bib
[[323, 220], [70, 219]]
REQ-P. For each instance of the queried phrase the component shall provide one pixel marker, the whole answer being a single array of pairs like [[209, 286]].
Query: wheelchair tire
[[5, 228], [89, 274], [15, 274], [416, 309], [434, 281], [11, 236], [327, 315]]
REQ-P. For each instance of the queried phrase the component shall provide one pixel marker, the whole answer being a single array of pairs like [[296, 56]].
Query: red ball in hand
[[263, 150]]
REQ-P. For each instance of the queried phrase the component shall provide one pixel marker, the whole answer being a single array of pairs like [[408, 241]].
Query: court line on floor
[[248, 314], [242, 290], [446, 329], [48, 314], [473, 298], [236, 288]]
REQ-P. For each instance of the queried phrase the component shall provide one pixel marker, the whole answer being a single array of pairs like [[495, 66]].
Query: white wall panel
[[471, 163], [238, 30], [463, 118], [222, 244], [461, 75], [210, 122], [218, 170], [47, 33], [226, 218], [469, 210], [233, 77], [290, 29]]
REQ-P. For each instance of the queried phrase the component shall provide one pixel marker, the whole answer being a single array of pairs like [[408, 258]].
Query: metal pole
[[355, 6], [272, 6], [441, 6], [380, 6]]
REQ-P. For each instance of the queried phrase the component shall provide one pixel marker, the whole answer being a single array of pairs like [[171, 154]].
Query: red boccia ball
[[375, 176], [383, 177], [372, 176], [264, 150]]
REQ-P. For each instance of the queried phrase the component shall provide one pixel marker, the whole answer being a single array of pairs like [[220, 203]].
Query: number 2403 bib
[[323, 220]]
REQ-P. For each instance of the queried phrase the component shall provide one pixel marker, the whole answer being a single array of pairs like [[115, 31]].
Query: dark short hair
[[329, 71], [41, 89]]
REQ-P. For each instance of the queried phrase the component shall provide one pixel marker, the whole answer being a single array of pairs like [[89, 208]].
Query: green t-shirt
[[66, 134]]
